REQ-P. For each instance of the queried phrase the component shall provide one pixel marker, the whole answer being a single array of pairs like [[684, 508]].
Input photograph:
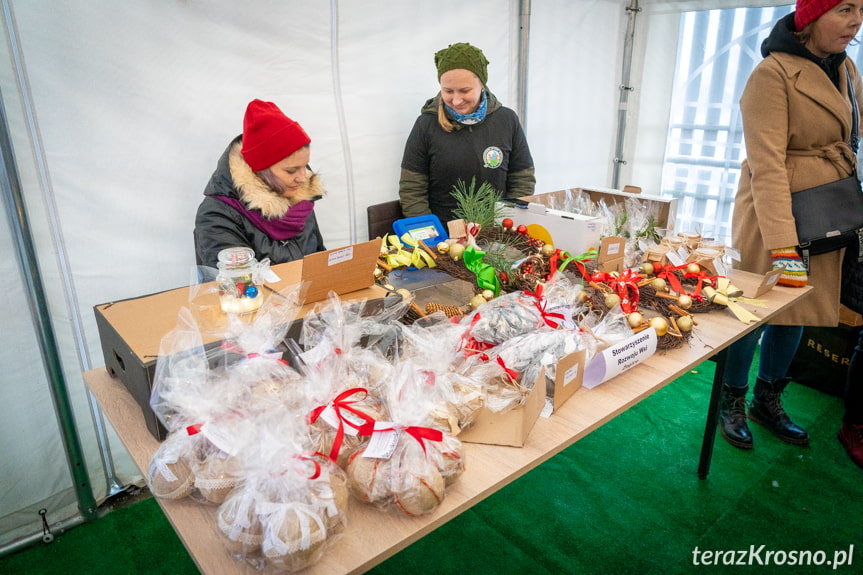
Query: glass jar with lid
[[237, 290]]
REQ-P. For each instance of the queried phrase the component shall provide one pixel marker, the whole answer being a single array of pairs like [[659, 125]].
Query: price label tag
[[383, 443]]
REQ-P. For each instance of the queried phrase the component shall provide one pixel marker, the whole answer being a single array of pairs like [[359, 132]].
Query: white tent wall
[[118, 113]]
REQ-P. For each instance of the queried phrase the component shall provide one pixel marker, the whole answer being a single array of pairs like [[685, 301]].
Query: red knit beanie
[[808, 11], [269, 136]]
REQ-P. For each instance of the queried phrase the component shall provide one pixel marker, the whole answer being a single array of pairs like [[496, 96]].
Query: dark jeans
[[854, 386], [778, 346]]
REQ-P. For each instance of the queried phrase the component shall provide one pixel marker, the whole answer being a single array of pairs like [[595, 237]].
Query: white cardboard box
[[574, 233]]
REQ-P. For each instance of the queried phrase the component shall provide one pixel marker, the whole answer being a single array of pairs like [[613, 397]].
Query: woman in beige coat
[[797, 122]]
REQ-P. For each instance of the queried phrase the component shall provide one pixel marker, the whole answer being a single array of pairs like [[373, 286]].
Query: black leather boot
[[732, 417], [766, 409]]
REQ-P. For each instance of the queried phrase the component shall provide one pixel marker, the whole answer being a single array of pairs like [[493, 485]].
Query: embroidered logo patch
[[492, 157]]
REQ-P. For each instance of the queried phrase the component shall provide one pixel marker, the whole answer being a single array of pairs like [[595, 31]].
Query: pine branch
[[477, 205]]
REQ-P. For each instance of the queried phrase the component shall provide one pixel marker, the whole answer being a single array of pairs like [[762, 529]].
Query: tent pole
[[26, 252], [523, 45], [625, 88]]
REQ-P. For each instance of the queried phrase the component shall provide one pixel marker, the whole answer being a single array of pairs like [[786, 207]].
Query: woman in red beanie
[[262, 193], [797, 122]]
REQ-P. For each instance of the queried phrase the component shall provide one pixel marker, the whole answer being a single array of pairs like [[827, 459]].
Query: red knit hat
[[269, 136], [808, 11]]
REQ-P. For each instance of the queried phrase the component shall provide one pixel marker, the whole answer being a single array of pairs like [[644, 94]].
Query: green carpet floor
[[626, 499]]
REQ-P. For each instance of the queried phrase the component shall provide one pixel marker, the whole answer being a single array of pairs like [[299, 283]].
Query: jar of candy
[[237, 290]]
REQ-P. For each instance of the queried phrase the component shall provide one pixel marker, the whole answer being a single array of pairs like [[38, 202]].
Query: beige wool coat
[[796, 126]]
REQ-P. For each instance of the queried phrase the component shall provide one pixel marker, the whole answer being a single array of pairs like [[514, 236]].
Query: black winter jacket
[[219, 226]]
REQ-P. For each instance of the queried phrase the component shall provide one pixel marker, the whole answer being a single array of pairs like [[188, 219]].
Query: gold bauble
[[659, 285], [612, 300], [547, 249], [477, 301], [660, 325], [693, 268], [456, 251], [405, 293], [488, 295], [379, 273], [635, 319], [684, 301], [646, 269], [442, 247], [684, 323]]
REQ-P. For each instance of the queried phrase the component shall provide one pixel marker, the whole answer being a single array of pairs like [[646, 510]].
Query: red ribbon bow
[[541, 304], [624, 285], [418, 433], [511, 374], [668, 275], [341, 403], [315, 463]]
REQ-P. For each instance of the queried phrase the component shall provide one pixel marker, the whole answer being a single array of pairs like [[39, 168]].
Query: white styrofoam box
[[574, 233]]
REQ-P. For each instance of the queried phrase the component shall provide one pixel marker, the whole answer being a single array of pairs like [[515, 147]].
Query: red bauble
[[521, 230], [657, 267], [507, 223]]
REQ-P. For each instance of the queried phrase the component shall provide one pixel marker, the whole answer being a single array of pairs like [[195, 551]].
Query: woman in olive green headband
[[463, 133]]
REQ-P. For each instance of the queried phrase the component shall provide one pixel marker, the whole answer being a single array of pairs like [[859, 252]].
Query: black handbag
[[830, 216]]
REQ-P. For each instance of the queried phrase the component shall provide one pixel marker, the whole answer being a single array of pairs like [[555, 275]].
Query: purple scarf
[[284, 228]]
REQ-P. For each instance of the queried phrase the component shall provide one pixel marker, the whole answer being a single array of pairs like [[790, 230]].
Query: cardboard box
[[612, 252], [574, 233], [131, 330], [666, 207], [510, 427], [513, 427]]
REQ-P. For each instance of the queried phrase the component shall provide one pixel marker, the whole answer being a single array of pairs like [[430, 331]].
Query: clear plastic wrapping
[[406, 464]]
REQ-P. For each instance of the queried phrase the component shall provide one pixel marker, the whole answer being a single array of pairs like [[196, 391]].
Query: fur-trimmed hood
[[235, 178]]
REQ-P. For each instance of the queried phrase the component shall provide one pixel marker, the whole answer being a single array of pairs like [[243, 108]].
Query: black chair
[[380, 218]]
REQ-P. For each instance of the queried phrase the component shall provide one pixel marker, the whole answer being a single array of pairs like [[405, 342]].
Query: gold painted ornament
[[635, 319], [547, 250], [405, 293], [477, 301], [456, 251], [684, 301], [611, 300], [488, 295], [684, 323], [659, 285], [442, 247], [660, 325]]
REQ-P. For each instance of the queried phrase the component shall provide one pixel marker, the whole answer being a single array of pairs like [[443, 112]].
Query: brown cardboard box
[[131, 330], [612, 252], [513, 427]]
